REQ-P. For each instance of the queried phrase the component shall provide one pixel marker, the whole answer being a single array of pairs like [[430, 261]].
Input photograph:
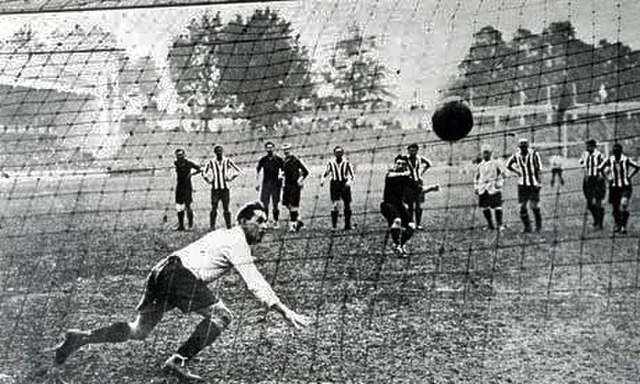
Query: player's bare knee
[[138, 331], [180, 207], [218, 314], [624, 203], [336, 205], [397, 223]]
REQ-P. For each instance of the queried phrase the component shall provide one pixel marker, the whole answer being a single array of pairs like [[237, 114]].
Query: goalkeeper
[[180, 281]]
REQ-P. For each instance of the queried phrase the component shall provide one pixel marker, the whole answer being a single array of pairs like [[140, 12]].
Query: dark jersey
[[183, 172], [271, 167], [293, 168], [395, 186]]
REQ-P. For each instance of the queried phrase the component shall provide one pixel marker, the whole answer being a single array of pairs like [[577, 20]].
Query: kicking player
[[488, 182], [527, 165], [180, 281], [417, 165], [218, 173], [295, 172], [342, 176], [622, 169], [184, 190], [593, 184], [396, 183], [272, 167]]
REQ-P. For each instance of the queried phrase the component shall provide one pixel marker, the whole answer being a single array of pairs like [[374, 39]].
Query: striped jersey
[[341, 171], [218, 172], [619, 170], [591, 162], [529, 166], [489, 177], [417, 166]]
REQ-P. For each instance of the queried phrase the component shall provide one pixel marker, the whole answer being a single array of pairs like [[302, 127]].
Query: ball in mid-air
[[452, 119]]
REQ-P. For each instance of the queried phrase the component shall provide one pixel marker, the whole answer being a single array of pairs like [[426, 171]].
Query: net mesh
[[95, 96]]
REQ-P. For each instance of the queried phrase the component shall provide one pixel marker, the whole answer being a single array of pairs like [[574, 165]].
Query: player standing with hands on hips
[[527, 165], [184, 189], [622, 170], [488, 182], [271, 166], [218, 173], [593, 185], [342, 175]]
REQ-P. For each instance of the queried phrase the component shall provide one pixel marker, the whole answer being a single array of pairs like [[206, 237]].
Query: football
[[452, 119]]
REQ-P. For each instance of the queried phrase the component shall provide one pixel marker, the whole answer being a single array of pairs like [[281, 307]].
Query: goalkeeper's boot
[[175, 366], [73, 340]]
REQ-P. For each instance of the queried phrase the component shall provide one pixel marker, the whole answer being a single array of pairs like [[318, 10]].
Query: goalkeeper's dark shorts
[[171, 285]]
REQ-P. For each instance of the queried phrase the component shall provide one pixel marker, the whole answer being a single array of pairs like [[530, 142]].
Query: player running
[[342, 176], [396, 183], [180, 281]]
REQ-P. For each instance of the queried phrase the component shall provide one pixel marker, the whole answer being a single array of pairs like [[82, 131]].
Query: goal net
[[96, 97]]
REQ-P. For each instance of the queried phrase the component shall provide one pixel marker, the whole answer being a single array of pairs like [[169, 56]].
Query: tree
[[254, 68], [356, 73]]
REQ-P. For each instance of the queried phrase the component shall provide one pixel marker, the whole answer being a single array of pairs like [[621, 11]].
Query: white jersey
[[218, 252], [489, 177]]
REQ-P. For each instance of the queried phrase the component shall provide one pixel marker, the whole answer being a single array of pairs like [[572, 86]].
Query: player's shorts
[[291, 195], [528, 193], [339, 190], [487, 200], [220, 195], [414, 194], [617, 193], [594, 187], [171, 285], [394, 211], [184, 195], [270, 191]]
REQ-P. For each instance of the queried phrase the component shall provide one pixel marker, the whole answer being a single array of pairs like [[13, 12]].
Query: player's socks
[[498, 212], [227, 219], [276, 215], [406, 235], [190, 218], [418, 216], [616, 216], [293, 215], [114, 333], [395, 235], [212, 219], [181, 221], [524, 216], [625, 218], [601, 217], [487, 216], [334, 219], [538, 218], [347, 218], [206, 332]]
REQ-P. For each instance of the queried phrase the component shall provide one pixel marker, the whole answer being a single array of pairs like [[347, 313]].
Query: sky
[[420, 41]]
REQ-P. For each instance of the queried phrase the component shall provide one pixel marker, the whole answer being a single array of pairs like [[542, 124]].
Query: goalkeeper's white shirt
[[489, 177], [218, 252]]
